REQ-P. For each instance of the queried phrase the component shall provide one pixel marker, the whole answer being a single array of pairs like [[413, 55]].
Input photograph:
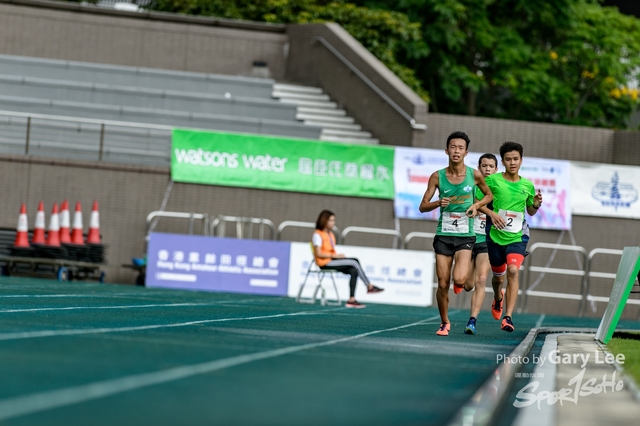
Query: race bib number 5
[[479, 223], [455, 223], [513, 221]]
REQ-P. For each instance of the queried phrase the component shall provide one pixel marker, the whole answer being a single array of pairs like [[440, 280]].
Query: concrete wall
[[128, 193], [312, 63], [539, 139], [626, 148], [63, 30]]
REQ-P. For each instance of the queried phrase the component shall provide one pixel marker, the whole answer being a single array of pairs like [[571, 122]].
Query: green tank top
[[453, 220]]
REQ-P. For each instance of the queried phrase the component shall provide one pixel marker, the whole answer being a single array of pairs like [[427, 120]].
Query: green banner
[[282, 164]]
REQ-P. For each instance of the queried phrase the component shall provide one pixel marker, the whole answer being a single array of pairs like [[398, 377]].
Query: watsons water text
[[200, 157]]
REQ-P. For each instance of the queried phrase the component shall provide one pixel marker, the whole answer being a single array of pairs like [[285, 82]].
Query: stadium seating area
[[125, 114], [158, 99]]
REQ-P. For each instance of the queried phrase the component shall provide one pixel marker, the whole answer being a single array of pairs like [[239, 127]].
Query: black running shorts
[[448, 246]]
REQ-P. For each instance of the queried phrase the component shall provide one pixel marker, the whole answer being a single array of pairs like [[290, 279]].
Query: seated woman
[[324, 250]]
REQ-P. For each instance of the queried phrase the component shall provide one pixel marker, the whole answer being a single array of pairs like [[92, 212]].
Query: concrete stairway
[[315, 108]]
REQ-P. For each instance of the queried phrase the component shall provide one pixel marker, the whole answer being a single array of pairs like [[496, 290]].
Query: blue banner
[[218, 264]]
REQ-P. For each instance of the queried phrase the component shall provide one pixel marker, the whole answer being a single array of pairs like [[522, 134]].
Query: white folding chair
[[321, 273]]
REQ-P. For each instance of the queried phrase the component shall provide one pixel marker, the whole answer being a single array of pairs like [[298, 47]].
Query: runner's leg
[[482, 268], [468, 286], [462, 267], [443, 271], [514, 260]]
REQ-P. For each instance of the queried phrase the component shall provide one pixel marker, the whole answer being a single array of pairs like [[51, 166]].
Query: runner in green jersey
[[480, 267], [455, 237], [506, 241]]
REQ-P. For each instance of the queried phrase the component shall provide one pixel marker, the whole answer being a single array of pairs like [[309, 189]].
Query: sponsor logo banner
[[406, 275], [413, 166], [254, 161], [605, 190], [218, 264]]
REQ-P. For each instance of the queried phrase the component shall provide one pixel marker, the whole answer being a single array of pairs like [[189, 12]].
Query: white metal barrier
[[192, 217], [244, 226], [411, 235], [373, 231], [547, 270], [296, 224], [607, 275]]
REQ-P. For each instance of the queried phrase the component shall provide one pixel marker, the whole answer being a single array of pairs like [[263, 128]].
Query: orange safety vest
[[328, 247]]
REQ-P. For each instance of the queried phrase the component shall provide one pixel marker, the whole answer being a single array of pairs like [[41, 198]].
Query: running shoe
[[457, 289], [375, 289], [507, 325], [355, 304], [496, 308], [444, 329], [471, 327]]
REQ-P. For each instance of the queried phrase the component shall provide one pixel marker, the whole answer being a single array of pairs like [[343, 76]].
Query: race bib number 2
[[455, 223], [513, 221]]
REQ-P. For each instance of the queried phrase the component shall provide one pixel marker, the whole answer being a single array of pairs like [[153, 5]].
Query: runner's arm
[[426, 205], [537, 202], [484, 188], [497, 220], [488, 196]]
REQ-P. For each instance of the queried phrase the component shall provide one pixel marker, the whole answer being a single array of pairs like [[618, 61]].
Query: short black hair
[[458, 135], [488, 156], [510, 146]]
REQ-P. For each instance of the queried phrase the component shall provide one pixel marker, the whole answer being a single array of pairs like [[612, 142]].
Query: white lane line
[[156, 305], [75, 332], [85, 295], [29, 404], [71, 308], [539, 323]]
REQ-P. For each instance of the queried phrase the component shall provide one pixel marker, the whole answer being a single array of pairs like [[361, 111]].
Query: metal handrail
[[376, 231], [371, 84], [296, 224], [86, 120], [181, 215], [101, 123], [589, 273], [412, 235], [528, 269], [219, 225]]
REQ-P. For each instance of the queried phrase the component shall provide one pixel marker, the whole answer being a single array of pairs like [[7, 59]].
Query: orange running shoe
[[496, 307], [507, 324], [457, 289], [444, 329]]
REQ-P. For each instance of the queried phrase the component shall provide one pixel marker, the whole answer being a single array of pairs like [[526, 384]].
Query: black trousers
[[350, 266]]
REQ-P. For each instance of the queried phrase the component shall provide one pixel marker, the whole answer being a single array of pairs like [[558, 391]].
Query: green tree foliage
[[384, 33], [559, 61]]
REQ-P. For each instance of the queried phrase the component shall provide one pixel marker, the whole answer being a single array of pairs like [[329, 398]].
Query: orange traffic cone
[[65, 224], [94, 225], [76, 233], [38, 232], [53, 238], [22, 236]]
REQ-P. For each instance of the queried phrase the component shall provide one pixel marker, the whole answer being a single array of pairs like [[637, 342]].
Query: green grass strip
[[629, 345]]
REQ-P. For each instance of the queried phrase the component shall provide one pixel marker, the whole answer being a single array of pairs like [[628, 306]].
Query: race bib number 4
[[455, 223], [513, 221], [479, 223]]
